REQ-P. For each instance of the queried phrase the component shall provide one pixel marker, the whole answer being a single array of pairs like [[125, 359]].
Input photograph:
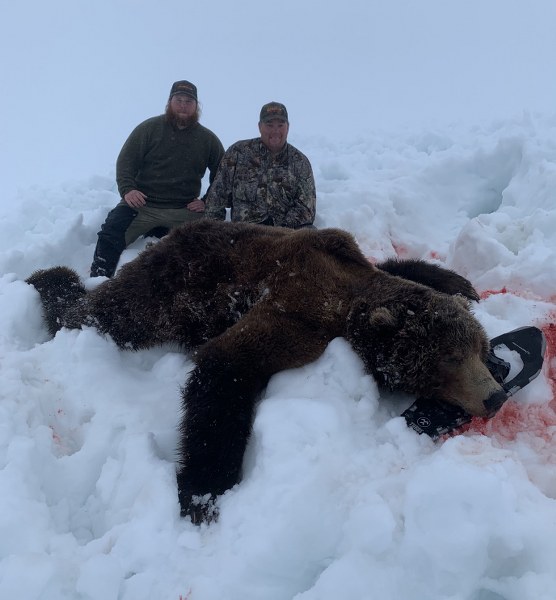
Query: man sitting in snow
[[265, 180], [159, 172]]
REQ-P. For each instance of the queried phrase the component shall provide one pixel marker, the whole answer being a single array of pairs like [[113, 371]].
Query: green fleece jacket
[[166, 163]]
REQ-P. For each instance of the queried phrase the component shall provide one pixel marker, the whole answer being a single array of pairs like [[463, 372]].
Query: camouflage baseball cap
[[184, 87], [272, 111]]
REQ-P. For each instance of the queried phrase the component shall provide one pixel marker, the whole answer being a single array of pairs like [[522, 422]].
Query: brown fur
[[254, 301]]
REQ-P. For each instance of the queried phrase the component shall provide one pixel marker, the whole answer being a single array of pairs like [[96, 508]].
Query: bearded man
[[159, 172]]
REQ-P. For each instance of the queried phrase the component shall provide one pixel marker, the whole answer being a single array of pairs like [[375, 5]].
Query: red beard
[[180, 122]]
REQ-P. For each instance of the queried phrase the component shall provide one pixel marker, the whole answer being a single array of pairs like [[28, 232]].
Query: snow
[[339, 498]]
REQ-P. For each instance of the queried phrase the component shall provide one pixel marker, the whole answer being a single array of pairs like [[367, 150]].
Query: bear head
[[427, 344]]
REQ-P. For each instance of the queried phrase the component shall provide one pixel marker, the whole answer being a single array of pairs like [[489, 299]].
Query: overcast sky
[[77, 76]]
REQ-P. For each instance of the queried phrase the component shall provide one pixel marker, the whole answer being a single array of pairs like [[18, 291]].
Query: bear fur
[[253, 301]]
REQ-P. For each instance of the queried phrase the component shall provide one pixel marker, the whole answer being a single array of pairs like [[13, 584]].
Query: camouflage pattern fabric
[[262, 188]]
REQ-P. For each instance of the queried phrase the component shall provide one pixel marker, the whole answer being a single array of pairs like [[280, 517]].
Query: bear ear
[[382, 317]]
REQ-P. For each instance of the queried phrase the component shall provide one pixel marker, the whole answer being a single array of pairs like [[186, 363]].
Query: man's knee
[[117, 221]]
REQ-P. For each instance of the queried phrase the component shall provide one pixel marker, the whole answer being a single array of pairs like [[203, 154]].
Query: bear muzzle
[[495, 401], [474, 389]]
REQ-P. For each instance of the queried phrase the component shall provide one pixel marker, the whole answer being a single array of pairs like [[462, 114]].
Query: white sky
[[78, 76]]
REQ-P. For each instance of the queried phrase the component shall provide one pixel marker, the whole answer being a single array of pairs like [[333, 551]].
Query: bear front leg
[[219, 400]]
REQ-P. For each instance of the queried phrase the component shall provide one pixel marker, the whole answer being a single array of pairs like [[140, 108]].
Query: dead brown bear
[[254, 300]]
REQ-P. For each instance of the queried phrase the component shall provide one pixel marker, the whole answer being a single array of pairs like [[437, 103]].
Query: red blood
[[513, 418], [486, 293], [400, 250], [549, 331]]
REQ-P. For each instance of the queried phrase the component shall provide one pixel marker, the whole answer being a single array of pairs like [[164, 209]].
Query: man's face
[[183, 106], [274, 134]]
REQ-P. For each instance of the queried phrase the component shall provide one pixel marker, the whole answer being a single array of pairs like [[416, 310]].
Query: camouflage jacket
[[262, 188]]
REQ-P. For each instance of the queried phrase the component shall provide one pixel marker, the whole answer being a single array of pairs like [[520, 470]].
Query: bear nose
[[495, 401]]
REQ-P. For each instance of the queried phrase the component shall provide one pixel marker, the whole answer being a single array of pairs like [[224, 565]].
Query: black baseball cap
[[184, 87]]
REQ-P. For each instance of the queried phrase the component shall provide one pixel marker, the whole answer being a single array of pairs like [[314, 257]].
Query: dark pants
[[111, 240]]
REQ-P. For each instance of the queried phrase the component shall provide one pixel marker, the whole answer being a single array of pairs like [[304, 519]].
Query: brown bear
[[254, 300]]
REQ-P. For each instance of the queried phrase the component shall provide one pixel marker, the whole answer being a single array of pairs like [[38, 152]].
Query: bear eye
[[452, 361]]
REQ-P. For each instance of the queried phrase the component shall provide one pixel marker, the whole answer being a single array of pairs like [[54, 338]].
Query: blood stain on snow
[[514, 418], [55, 436], [486, 293], [436, 255], [549, 331], [401, 251]]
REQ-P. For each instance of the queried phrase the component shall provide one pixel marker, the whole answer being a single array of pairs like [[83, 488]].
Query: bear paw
[[200, 509]]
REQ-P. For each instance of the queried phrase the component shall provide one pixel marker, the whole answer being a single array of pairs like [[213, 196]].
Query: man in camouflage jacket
[[265, 180]]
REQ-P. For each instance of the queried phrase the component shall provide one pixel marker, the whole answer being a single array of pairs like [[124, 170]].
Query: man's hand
[[135, 199], [196, 205]]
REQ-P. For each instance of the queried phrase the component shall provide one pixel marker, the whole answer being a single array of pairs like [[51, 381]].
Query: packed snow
[[339, 499]]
